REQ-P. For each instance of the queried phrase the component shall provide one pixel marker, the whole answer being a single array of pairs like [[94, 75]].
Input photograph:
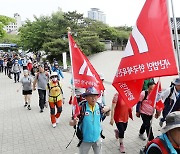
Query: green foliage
[[4, 20], [50, 34], [10, 38], [33, 34]]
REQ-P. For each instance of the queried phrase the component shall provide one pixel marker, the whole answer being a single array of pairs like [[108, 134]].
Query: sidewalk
[[30, 132]]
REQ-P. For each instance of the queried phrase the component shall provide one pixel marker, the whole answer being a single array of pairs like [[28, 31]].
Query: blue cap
[[90, 91]]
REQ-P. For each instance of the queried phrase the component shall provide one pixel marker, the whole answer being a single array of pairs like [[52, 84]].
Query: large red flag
[[149, 51], [84, 73]]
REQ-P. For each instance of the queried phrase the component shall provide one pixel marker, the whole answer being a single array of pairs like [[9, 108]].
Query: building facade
[[96, 14], [14, 27]]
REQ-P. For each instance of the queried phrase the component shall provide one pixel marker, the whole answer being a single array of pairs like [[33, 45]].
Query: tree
[[50, 34], [33, 34], [4, 20]]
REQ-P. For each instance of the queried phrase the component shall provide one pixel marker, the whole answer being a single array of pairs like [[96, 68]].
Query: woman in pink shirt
[[145, 110]]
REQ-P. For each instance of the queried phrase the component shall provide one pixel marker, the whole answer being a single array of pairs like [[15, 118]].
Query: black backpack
[[77, 128], [140, 102], [170, 105]]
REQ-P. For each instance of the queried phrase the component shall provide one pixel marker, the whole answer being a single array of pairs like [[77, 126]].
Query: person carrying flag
[[91, 123], [145, 110]]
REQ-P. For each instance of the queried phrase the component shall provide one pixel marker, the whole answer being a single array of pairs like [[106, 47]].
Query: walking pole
[[176, 36], [153, 112]]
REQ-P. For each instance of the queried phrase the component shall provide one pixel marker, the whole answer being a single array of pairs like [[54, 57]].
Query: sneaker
[[41, 110], [57, 120], [142, 137], [46, 105], [54, 125], [25, 104], [122, 149], [116, 134], [29, 108]]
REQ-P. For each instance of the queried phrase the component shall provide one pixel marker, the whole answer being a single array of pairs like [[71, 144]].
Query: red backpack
[[158, 142]]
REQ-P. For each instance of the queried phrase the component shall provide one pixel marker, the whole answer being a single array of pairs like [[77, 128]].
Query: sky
[[118, 12]]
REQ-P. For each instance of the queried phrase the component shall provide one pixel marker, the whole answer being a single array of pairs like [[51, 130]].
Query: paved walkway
[[30, 132]]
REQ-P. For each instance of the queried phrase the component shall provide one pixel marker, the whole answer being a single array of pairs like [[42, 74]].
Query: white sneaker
[[54, 125], [142, 137], [57, 120]]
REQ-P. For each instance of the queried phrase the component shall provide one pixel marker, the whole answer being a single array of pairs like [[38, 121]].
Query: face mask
[[54, 79]]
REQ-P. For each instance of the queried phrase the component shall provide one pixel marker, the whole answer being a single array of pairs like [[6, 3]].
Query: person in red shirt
[[29, 65], [120, 114]]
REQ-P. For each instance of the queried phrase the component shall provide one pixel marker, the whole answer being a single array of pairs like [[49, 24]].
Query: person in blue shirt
[[56, 68], [91, 122]]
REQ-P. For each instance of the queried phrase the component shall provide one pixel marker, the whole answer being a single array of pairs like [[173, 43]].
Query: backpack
[[78, 131], [167, 104], [77, 128], [140, 102], [157, 141], [46, 73], [50, 88]]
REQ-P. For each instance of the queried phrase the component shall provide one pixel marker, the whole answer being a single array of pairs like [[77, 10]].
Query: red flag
[[84, 73], [159, 104], [153, 94], [149, 52], [76, 109]]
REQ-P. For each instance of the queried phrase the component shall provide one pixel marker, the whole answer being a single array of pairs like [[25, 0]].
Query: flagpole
[[73, 85], [176, 36], [153, 112]]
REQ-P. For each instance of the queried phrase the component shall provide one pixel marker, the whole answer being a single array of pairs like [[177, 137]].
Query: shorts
[[27, 92]]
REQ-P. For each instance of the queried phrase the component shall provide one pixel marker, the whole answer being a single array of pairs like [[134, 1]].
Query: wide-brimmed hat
[[90, 91], [172, 121], [177, 81], [54, 74]]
